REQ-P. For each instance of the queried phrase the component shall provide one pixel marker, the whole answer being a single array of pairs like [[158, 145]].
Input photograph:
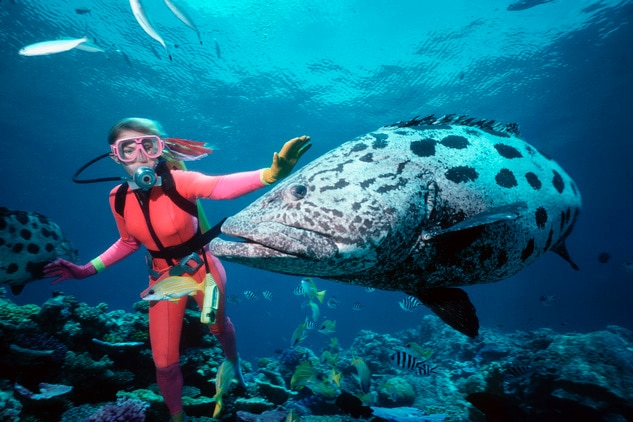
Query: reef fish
[[29, 241], [421, 206], [172, 288]]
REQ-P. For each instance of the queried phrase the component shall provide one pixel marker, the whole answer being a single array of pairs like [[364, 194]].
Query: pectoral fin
[[454, 307]]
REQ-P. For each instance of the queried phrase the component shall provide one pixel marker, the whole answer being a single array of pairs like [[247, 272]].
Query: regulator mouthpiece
[[145, 178]]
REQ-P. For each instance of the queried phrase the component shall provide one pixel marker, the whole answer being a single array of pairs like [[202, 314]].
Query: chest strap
[[195, 244]]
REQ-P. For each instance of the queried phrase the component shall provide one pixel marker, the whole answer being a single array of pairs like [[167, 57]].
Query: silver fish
[[141, 17], [420, 207], [51, 47], [29, 241], [183, 16]]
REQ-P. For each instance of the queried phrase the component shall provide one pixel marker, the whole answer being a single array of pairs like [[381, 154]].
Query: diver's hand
[[65, 270], [285, 160]]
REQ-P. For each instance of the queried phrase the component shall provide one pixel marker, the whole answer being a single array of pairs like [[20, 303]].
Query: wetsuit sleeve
[[115, 253], [122, 248], [194, 185]]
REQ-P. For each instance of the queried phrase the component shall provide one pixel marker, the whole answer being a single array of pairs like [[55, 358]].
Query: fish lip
[[272, 239]]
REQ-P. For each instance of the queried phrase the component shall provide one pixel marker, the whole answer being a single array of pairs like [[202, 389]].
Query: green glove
[[285, 160]]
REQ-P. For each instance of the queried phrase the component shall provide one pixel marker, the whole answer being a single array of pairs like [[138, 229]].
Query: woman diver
[[157, 208]]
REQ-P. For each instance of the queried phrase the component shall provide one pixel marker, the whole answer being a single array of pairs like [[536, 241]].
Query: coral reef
[[100, 364]]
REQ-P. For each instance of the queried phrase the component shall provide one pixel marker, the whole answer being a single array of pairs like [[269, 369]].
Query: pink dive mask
[[127, 149]]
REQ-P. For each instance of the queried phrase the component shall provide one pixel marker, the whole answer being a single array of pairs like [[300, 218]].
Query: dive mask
[[128, 149]]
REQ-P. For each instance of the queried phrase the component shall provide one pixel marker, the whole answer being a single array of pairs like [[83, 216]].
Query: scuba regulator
[[145, 178]]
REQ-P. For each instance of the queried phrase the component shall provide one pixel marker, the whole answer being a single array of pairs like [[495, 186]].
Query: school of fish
[[422, 207], [44, 48]]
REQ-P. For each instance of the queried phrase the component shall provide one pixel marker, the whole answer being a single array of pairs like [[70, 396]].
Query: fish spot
[[558, 182], [380, 140], [22, 218], [359, 147], [423, 147], [26, 234], [366, 183], [505, 178], [340, 184], [456, 142], [533, 180], [507, 151], [49, 247], [528, 250], [461, 174], [33, 248], [367, 158], [541, 217], [17, 248], [12, 268]]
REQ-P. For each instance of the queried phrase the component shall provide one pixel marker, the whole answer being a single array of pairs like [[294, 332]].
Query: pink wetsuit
[[174, 226]]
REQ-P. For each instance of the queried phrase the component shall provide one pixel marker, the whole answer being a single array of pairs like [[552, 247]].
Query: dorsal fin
[[484, 124]]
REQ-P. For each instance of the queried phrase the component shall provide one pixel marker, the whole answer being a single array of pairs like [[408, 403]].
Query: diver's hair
[[138, 124]]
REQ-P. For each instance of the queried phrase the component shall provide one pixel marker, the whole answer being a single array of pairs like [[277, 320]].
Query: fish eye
[[151, 292], [298, 191]]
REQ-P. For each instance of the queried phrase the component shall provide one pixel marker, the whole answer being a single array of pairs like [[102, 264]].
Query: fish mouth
[[271, 240]]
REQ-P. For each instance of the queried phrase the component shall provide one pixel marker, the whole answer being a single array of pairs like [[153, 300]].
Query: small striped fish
[[250, 295], [404, 360], [409, 303], [425, 369], [407, 361]]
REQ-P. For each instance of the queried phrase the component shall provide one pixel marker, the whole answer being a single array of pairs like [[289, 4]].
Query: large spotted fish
[[420, 207], [29, 241]]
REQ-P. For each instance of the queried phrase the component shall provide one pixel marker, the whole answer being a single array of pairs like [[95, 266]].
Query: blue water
[[268, 71]]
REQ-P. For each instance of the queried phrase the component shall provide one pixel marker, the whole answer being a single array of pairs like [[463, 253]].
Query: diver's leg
[[223, 328], [165, 326]]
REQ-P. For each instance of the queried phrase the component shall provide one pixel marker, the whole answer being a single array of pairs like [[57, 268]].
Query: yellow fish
[[335, 377], [303, 375], [328, 327], [363, 376], [223, 379], [298, 335], [172, 288], [419, 351]]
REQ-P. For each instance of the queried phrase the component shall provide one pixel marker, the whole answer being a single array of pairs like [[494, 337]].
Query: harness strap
[[195, 244]]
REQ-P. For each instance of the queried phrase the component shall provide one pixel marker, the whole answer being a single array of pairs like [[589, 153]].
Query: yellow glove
[[285, 160]]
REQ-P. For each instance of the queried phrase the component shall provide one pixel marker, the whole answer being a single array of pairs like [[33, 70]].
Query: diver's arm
[[119, 250], [64, 270], [234, 185]]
